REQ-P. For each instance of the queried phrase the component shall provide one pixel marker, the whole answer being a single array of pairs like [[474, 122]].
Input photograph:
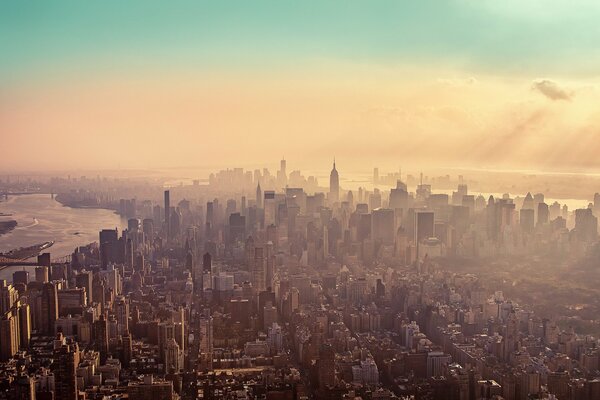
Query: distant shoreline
[[80, 204]]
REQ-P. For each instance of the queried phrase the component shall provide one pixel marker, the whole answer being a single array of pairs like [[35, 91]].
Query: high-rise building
[[8, 296], [206, 334], [586, 225], [122, 315], [167, 214], [148, 229], [24, 314], [334, 185], [109, 247], [237, 228], [269, 206], [84, 280], [382, 225], [66, 358], [259, 203], [9, 339], [101, 337], [527, 219], [258, 271], [127, 349], [542, 214], [41, 274], [326, 367], [49, 308], [424, 223]]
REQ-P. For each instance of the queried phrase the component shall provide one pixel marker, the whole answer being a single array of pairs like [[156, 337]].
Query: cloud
[[551, 90], [458, 82]]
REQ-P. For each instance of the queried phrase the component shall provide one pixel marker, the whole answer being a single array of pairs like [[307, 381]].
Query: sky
[[168, 84]]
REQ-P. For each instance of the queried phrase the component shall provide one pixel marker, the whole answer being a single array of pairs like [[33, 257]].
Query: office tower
[[375, 176], [148, 229], [109, 247], [49, 308], [423, 228], [66, 359], [237, 227], [210, 219], [166, 331], [375, 199], [259, 200], [127, 349], [41, 274], [542, 214], [269, 315], [173, 357], [424, 224], [258, 271], [586, 225], [511, 335], [269, 207], [243, 206], [167, 215], [122, 315], [44, 259], [207, 262], [23, 387], [527, 219], [282, 174], [8, 296], [382, 225], [334, 185], [24, 314], [326, 367], [20, 277], [9, 338], [399, 196], [133, 225], [206, 334], [270, 265], [101, 337], [84, 279]]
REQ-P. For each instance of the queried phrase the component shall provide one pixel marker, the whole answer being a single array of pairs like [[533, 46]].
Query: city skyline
[[300, 200]]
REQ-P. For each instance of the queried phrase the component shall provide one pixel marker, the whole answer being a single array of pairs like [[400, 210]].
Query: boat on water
[[23, 253]]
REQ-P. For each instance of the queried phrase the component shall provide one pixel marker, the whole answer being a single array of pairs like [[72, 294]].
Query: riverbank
[[81, 203]]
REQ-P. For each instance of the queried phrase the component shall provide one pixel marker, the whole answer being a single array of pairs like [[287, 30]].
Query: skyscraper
[[66, 358], [258, 271], [258, 196], [9, 340], [109, 247], [167, 214], [122, 314], [334, 185], [49, 309]]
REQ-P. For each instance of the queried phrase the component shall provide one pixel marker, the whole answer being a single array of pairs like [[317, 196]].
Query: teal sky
[[41, 38], [431, 82]]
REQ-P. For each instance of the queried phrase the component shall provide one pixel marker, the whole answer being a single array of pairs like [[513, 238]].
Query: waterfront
[[41, 218]]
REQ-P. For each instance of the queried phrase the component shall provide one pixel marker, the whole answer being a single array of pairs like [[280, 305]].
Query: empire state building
[[334, 185]]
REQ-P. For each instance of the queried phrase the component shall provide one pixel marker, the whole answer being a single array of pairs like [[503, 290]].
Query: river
[[41, 218]]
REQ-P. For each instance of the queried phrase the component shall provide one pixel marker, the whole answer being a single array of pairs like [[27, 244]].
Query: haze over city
[[445, 84], [273, 200]]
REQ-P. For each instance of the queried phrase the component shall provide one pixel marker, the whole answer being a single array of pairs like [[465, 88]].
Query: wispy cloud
[[551, 90]]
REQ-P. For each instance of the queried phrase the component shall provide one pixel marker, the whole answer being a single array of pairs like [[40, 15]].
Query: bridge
[[6, 262], [5, 194]]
